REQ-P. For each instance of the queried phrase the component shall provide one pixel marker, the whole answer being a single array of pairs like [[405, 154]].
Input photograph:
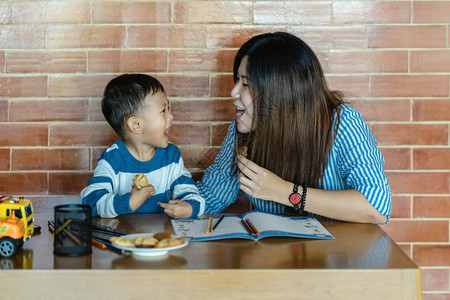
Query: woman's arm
[[345, 205], [219, 186]]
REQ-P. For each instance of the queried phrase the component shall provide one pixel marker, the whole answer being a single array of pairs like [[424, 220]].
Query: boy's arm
[[101, 191], [183, 188]]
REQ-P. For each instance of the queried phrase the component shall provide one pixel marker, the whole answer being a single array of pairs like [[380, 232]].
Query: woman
[[307, 149]]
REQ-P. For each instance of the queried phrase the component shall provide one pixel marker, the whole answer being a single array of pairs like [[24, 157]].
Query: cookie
[[140, 181], [145, 242], [162, 235], [163, 243], [242, 151], [121, 242]]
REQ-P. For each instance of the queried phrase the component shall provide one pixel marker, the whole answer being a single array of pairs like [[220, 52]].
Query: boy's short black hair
[[124, 96]]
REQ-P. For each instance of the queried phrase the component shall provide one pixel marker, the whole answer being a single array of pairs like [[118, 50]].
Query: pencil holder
[[72, 230]]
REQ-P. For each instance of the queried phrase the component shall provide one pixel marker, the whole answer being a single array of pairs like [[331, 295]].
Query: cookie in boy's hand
[[140, 181], [242, 151]]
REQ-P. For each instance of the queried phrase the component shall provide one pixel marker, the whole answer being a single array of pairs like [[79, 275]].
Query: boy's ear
[[134, 124]]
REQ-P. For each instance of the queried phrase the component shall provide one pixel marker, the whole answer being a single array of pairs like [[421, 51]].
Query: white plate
[[149, 252]]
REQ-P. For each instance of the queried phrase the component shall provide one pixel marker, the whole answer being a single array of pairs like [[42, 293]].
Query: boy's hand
[[138, 197], [177, 208]]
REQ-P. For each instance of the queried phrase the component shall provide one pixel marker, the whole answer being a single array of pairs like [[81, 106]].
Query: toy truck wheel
[[7, 247]]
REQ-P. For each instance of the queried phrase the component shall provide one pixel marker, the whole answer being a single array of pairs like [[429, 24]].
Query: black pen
[[221, 218]]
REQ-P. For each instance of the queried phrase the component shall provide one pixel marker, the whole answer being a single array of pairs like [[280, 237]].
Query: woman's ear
[[134, 124]]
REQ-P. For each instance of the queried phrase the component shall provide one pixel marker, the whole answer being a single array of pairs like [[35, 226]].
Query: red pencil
[[252, 227]]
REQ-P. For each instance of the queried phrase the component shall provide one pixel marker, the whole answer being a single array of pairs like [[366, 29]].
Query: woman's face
[[242, 99]]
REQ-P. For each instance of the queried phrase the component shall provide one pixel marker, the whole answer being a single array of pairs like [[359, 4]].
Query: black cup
[[73, 225]]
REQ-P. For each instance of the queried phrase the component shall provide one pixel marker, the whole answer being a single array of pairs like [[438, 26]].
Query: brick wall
[[392, 58]]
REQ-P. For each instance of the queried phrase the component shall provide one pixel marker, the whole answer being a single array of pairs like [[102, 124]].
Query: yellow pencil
[[208, 229]]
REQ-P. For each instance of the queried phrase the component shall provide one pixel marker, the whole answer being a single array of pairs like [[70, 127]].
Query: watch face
[[294, 198]]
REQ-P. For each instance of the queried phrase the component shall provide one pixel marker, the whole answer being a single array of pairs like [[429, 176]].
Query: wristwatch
[[295, 197]]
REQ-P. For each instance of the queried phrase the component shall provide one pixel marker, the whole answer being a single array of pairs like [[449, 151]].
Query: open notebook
[[252, 225]]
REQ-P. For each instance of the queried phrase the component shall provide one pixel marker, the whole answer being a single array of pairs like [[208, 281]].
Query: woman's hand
[[260, 183], [177, 208]]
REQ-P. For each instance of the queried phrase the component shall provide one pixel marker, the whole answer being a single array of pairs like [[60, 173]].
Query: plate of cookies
[[149, 244]]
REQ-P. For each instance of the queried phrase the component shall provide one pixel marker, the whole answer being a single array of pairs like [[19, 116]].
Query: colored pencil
[[250, 224], [249, 230], [208, 229], [215, 226]]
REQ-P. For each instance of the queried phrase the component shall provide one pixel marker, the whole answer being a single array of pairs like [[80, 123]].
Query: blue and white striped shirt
[[354, 163], [108, 191]]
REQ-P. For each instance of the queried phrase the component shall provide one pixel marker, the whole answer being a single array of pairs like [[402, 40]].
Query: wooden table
[[362, 262]]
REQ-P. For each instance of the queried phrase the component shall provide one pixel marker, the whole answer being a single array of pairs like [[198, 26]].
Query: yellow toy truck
[[16, 224]]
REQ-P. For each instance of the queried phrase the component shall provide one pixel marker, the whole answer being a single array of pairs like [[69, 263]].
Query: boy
[[136, 107]]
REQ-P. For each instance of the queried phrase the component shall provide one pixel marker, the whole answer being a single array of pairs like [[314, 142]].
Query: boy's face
[[157, 118]]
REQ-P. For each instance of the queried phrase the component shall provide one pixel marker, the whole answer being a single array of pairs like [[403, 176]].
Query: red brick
[[22, 37], [401, 207], [23, 183], [48, 110], [20, 135], [50, 159], [195, 60], [2, 62], [53, 12], [67, 183], [291, 12], [368, 62], [435, 296], [207, 12], [371, 12], [431, 207], [96, 153], [419, 182], [410, 86], [221, 85], [30, 86], [5, 12], [383, 110], [431, 110], [186, 36], [396, 158], [432, 255], [430, 61], [78, 85], [198, 157], [185, 85], [189, 134], [111, 12], [5, 160], [417, 231], [332, 36], [431, 159], [81, 134], [411, 134], [212, 110], [406, 249], [353, 86], [431, 12], [127, 61], [434, 279], [219, 132], [3, 111], [233, 36], [84, 36], [407, 36], [95, 110], [46, 62]]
